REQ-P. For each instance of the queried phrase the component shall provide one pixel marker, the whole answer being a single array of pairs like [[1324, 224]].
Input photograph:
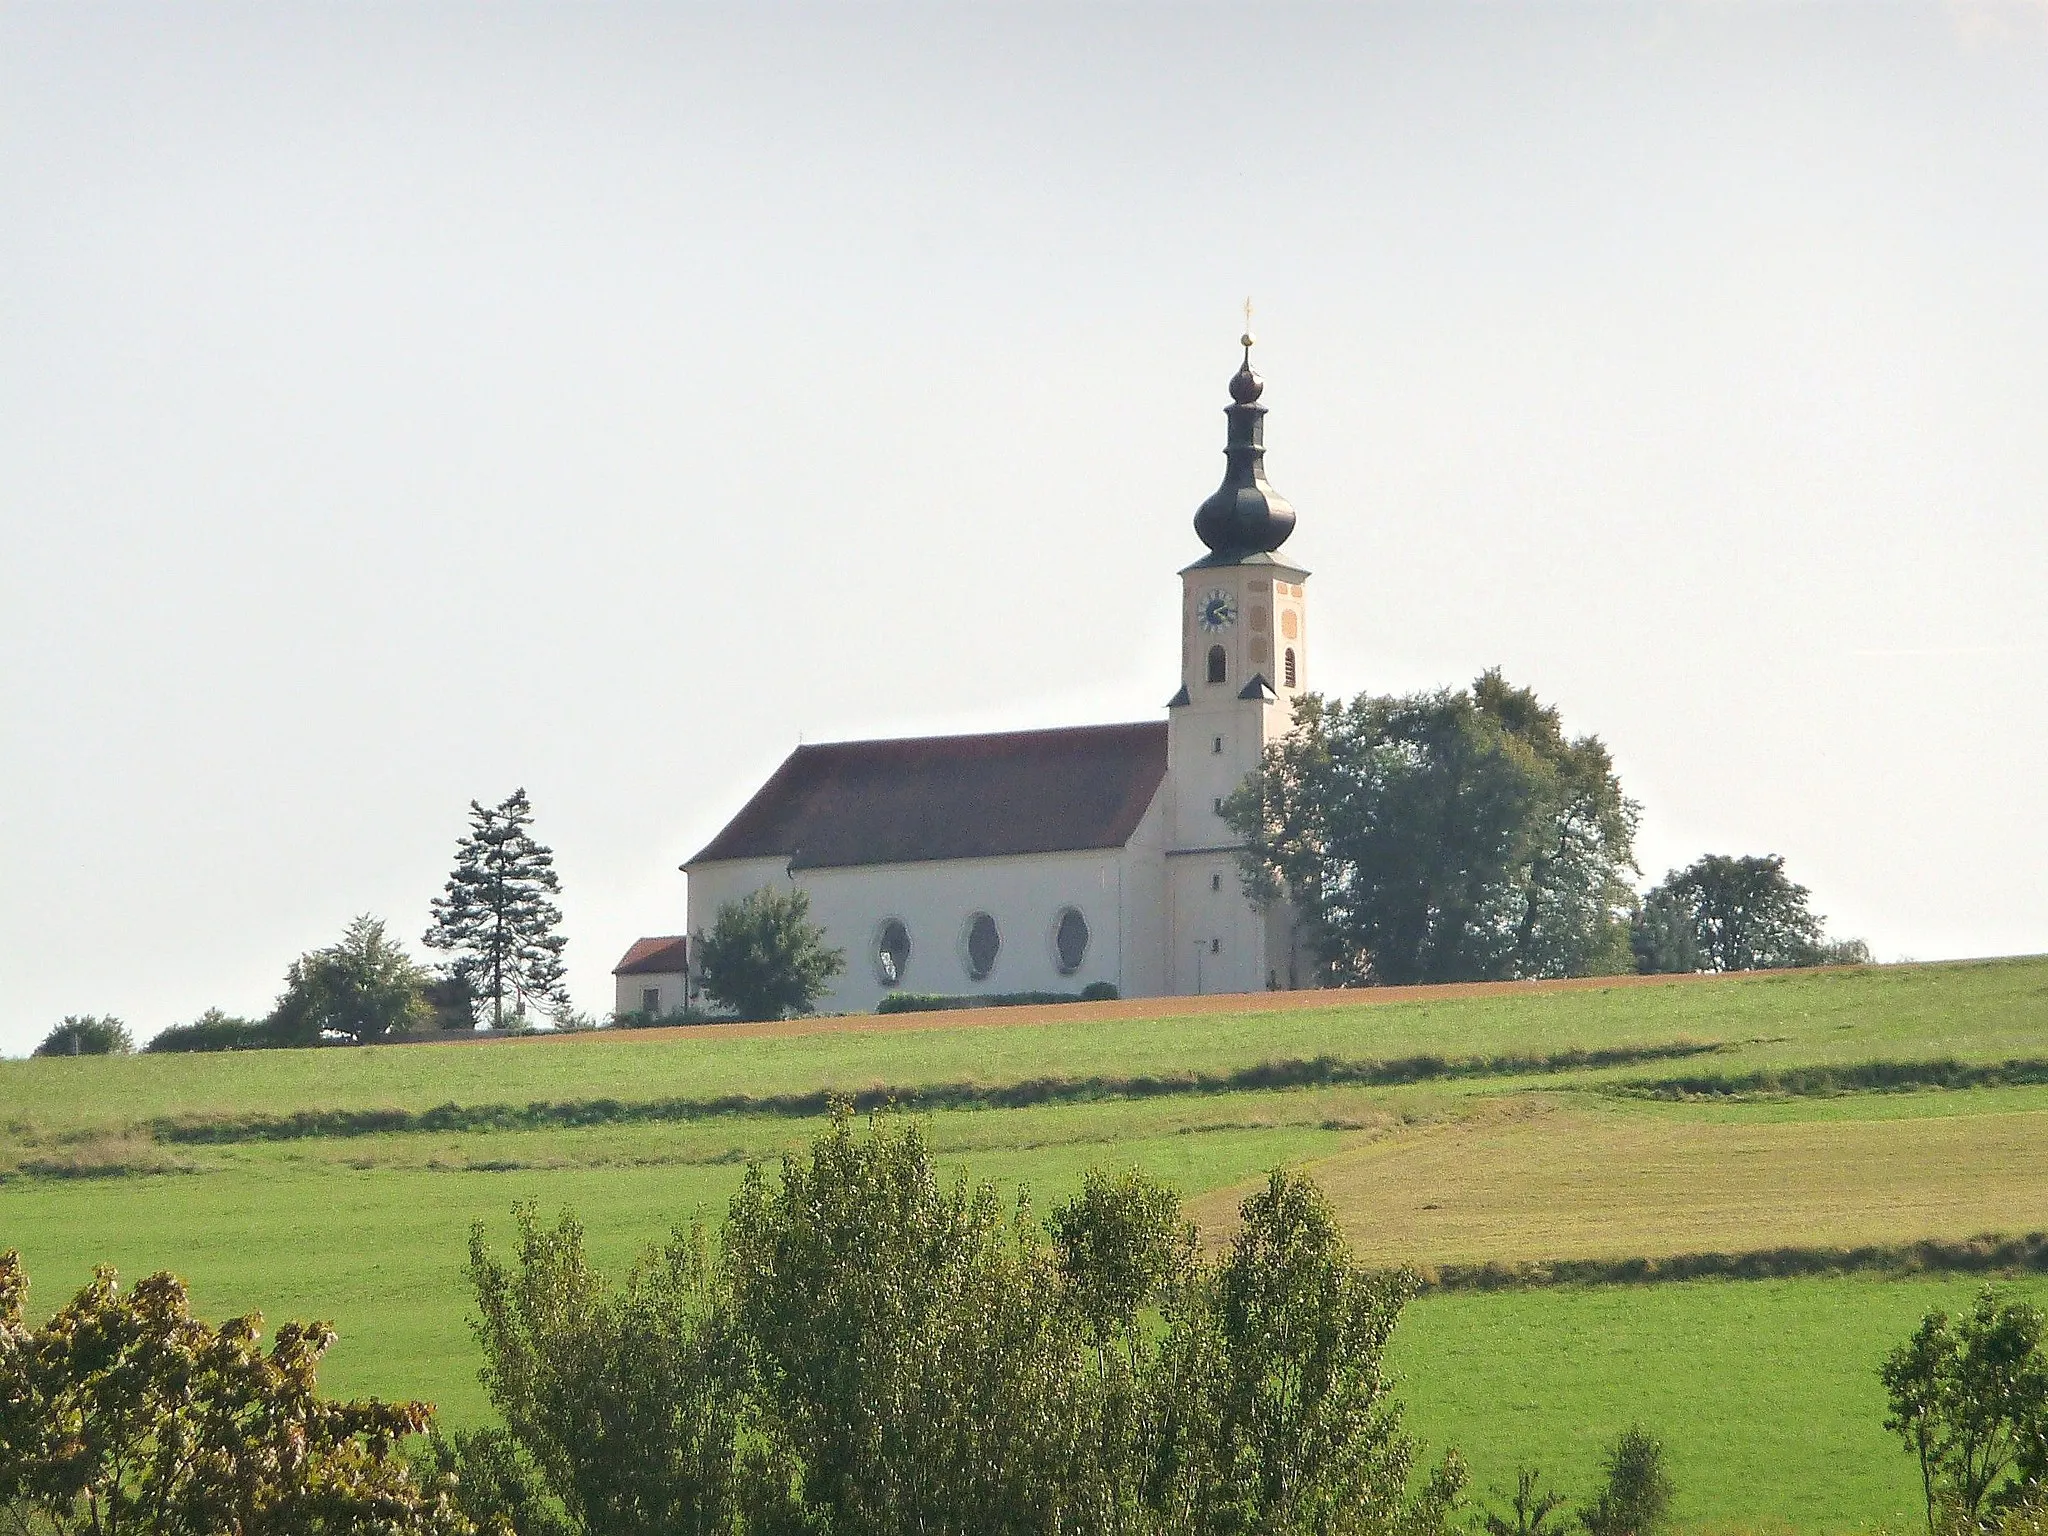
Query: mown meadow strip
[[1315, 1072]]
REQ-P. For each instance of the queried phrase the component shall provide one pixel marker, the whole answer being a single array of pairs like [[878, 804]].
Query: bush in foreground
[[85, 1034], [124, 1413], [1635, 1497], [873, 1349], [1969, 1397]]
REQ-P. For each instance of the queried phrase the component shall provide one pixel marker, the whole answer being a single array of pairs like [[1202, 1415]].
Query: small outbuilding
[[654, 976]]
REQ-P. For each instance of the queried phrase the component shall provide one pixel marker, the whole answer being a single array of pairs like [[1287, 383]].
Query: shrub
[[640, 1018], [1529, 1510], [211, 1031], [935, 1002], [765, 958], [1100, 992], [86, 1034], [451, 1002], [1635, 1499]]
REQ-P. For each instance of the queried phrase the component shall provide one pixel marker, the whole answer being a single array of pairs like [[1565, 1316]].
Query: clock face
[[1215, 610]]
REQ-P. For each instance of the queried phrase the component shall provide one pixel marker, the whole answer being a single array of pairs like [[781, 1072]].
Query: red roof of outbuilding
[[950, 797], [669, 954]]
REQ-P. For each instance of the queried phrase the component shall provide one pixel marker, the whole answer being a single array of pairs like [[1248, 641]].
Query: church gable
[[920, 799]]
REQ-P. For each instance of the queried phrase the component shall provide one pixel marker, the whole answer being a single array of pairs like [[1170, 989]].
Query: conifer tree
[[496, 914]]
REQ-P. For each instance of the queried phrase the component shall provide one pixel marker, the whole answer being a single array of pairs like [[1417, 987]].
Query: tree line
[[496, 919], [1462, 835], [867, 1348], [1455, 835]]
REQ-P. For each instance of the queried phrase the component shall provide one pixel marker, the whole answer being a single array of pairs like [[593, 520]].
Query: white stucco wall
[[1117, 891], [630, 992], [1216, 942], [1219, 942]]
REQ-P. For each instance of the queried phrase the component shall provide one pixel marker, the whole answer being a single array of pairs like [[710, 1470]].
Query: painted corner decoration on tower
[[1052, 860]]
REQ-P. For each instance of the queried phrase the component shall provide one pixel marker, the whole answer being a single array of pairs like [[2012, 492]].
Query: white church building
[[1044, 861]]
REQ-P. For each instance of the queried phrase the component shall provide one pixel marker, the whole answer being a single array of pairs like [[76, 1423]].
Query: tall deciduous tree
[[1734, 914], [884, 1348], [363, 988], [497, 914], [1449, 836], [906, 1332], [764, 957], [622, 1400], [1302, 1432]]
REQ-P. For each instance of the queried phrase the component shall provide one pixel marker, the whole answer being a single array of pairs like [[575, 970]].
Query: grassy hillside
[[1451, 1127], [1988, 1011]]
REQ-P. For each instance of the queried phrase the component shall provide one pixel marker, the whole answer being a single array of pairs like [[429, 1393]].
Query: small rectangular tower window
[[1215, 946], [1215, 882], [1217, 805], [1216, 746], [1216, 664], [1290, 666]]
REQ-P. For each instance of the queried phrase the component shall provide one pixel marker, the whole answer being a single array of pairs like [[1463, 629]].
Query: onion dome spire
[[1245, 516]]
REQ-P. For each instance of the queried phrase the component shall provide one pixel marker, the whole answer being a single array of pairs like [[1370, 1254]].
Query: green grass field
[[1766, 1389]]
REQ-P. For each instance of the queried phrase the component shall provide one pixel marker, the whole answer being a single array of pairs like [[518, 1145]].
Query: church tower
[[1244, 658]]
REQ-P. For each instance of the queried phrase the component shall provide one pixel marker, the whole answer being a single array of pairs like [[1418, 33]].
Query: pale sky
[[402, 404]]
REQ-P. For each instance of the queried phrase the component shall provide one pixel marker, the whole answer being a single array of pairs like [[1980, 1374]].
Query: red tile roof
[[667, 955], [950, 797]]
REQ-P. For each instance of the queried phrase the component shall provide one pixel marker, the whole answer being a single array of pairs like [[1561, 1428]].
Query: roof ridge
[[1031, 730]]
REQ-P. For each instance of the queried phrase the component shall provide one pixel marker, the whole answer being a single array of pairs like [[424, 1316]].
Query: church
[[1047, 860]]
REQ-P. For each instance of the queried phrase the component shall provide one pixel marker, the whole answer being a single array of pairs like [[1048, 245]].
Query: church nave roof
[[921, 798]]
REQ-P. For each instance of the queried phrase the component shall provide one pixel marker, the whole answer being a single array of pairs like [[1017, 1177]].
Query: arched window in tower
[[1215, 663], [1289, 662]]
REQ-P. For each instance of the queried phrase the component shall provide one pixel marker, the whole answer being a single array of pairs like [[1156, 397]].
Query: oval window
[[983, 944], [892, 951], [1070, 941]]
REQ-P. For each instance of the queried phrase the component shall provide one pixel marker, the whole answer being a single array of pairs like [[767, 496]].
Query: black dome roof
[[1245, 516]]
